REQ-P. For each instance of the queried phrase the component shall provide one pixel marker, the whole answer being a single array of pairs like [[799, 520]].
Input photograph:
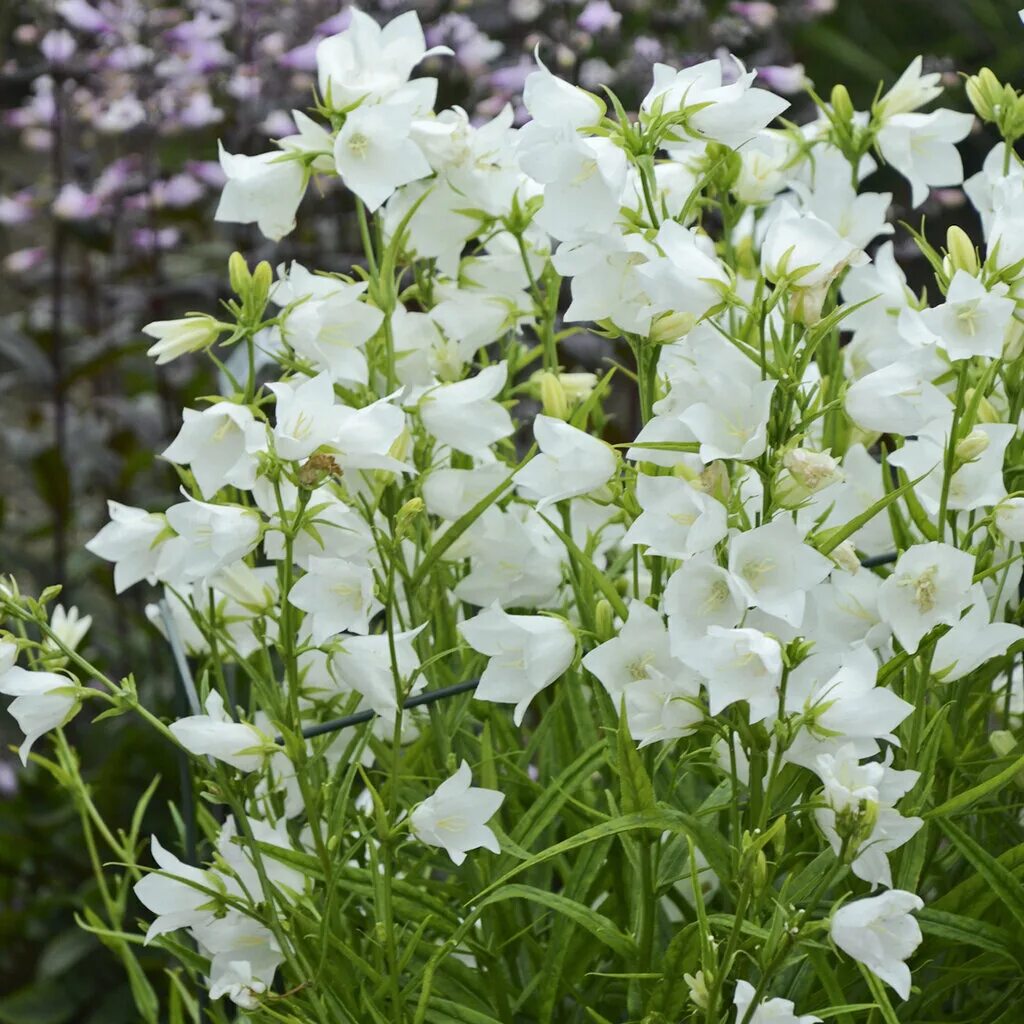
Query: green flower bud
[[962, 254]]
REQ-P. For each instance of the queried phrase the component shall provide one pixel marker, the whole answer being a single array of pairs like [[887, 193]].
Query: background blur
[[110, 111]]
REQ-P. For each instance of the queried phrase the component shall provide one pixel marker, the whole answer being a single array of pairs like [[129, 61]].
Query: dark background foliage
[[83, 411]]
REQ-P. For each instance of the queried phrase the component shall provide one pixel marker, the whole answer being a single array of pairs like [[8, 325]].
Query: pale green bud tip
[[970, 447], [962, 254]]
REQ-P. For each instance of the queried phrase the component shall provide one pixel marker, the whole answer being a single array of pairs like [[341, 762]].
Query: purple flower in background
[[24, 260], [301, 58], [782, 79], [58, 46], [17, 209], [82, 16], [8, 779], [74, 203], [151, 240], [760, 15], [598, 16]]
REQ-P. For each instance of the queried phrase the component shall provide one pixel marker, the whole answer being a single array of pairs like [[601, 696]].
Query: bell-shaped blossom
[[241, 859], [514, 558], [687, 279], [455, 816], [451, 493], [331, 329], [910, 91], [774, 568], [1008, 517], [731, 114], [368, 62], [767, 1011], [337, 595], [465, 416], [977, 483], [131, 540], [265, 189], [244, 956], [527, 653], [738, 664], [570, 463], [843, 612], [365, 665], [880, 933], [209, 538], [375, 155], [857, 792], [307, 416], [178, 337], [678, 520], [842, 708], [69, 627], [733, 422], [896, 399], [700, 594], [216, 734], [930, 585], [660, 693], [219, 445], [42, 700], [973, 640], [973, 319], [180, 894], [922, 147]]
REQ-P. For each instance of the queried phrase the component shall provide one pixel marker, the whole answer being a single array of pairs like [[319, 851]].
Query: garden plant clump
[[735, 734]]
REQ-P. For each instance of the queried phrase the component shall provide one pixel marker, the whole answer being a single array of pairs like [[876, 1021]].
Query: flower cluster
[[731, 645]]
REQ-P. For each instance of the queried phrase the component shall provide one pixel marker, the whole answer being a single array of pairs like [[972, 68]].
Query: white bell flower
[[767, 1011], [930, 585], [131, 540], [527, 653], [880, 933], [337, 595], [678, 520], [922, 147], [570, 463], [465, 416], [265, 189], [217, 734], [455, 816]]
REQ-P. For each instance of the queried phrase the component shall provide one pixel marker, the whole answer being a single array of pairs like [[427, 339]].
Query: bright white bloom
[[678, 520], [307, 416], [527, 653], [881, 934], [455, 816], [451, 493], [465, 416], [730, 114], [217, 734], [177, 337], [773, 568], [570, 463], [683, 280], [244, 957], [973, 640], [219, 445], [870, 790], [369, 62], [42, 700], [896, 399], [661, 694], [209, 538], [375, 155], [1009, 518], [806, 249], [846, 706], [69, 626], [698, 595], [738, 664], [733, 422], [910, 91], [363, 664], [131, 540], [922, 147], [337, 595], [176, 894], [930, 585], [768, 1011], [972, 320], [266, 189]]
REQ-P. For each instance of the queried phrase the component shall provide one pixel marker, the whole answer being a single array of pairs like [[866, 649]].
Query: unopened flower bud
[[845, 556], [1013, 343], [842, 105], [970, 447], [553, 398], [578, 387], [813, 470], [962, 254], [238, 274], [698, 989], [604, 621], [671, 327], [986, 410], [714, 481], [406, 514]]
